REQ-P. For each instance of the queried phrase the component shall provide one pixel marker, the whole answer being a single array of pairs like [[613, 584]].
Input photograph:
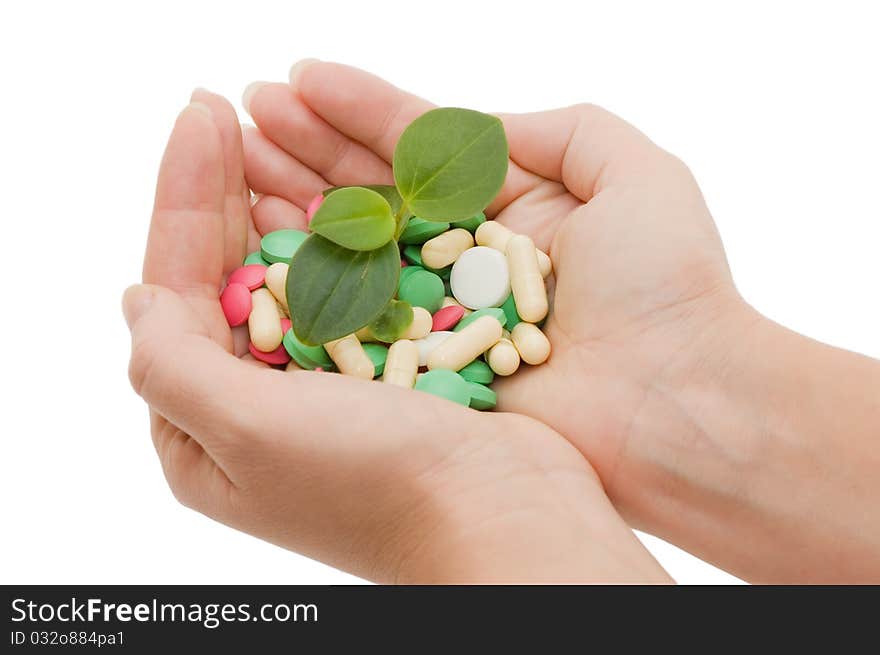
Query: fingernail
[[199, 106], [135, 302], [248, 94], [199, 90], [255, 198], [297, 69]]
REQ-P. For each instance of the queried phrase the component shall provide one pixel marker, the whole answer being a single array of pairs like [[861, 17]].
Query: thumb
[[584, 147], [135, 302], [177, 368]]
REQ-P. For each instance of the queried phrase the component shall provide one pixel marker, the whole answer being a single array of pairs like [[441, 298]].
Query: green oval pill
[[495, 312], [509, 309], [477, 371], [482, 397], [471, 224], [446, 384], [418, 230], [377, 354], [406, 271], [422, 288], [308, 357], [254, 258], [280, 245]]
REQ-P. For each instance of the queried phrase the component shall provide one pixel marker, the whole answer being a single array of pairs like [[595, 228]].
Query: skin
[[706, 423], [388, 484]]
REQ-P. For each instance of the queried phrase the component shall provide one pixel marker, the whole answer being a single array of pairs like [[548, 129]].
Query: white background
[[774, 106]]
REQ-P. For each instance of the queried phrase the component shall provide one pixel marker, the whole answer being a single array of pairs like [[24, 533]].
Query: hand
[[708, 424], [387, 483], [641, 276]]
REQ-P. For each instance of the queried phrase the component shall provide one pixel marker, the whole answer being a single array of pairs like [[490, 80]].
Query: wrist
[[689, 431], [755, 477]]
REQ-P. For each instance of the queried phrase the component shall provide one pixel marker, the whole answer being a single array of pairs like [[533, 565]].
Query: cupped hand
[[643, 291], [387, 483]]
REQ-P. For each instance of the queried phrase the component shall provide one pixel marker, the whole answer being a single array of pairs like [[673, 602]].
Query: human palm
[[640, 272], [381, 481]]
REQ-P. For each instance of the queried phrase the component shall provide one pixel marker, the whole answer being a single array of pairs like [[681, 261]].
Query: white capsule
[[529, 292], [350, 358], [264, 322], [429, 343], [465, 346], [503, 358], [445, 248], [402, 364], [494, 235], [531, 343]]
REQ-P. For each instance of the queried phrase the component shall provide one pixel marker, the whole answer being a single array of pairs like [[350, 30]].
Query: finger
[[274, 213], [185, 243], [235, 209], [375, 113], [254, 237], [284, 119], [250, 360], [179, 371], [582, 146], [195, 479], [358, 104], [189, 380], [186, 239], [272, 171]]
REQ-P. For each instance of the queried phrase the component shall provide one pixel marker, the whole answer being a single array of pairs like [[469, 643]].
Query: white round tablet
[[427, 344], [480, 278]]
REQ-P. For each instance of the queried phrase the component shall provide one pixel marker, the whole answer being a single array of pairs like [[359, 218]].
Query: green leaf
[[355, 218], [394, 320], [450, 163], [333, 291], [387, 191]]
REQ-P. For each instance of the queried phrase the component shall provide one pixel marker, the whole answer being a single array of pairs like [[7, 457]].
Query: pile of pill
[[478, 296]]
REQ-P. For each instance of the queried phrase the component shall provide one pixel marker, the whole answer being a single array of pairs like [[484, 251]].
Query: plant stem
[[401, 219]]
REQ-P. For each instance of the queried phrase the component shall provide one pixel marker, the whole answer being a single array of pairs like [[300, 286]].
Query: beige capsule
[[503, 358], [420, 326], [544, 263], [350, 358], [264, 323], [531, 343], [463, 347], [493, 234], [276, 282], [402, 364], [526, 282], [445, 248]]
